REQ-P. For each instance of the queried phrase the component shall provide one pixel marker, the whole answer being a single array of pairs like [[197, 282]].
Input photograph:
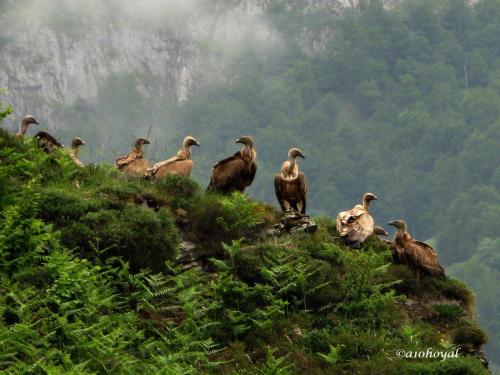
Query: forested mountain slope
[[74, 300]]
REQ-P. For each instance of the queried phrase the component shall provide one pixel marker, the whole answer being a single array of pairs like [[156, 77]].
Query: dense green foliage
[[76, 295]]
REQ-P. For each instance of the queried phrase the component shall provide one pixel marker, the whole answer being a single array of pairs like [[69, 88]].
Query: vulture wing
[[251, 174], [123, 161], [47, 142], [154, 169], [278, 189], [224, 173], [303, 191], [424, 257]]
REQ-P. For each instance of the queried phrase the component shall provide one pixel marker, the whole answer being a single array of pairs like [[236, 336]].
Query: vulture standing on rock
[[417, 255], [236, 172], [356, 225], [47, 142], [180, 164], [134, 164], [290, 184], [77, 142], [25, 122]]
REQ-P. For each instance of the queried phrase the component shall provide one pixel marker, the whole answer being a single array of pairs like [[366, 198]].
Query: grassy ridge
[[88, 284]]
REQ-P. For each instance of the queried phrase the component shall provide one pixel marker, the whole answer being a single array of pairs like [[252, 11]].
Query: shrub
[[449, 312], [468, 335], [181, 191], [142, 236]]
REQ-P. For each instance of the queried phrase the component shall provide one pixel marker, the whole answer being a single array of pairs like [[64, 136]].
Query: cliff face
[[52, 55]]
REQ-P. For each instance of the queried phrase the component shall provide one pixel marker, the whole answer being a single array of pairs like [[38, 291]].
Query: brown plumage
[[47, 142], [356, 225], [25, 122], [134, 164], [290, 184], [236, 172], [180, 164], [379, 231], [77, 142], [417, 255]]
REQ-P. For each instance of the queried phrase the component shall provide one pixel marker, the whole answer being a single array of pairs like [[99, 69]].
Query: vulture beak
[[375, 198], [239, 140], [83, 142], [385, 233], [197, 144], [146, 142], [36, 122], [302, 156], [393, 223]]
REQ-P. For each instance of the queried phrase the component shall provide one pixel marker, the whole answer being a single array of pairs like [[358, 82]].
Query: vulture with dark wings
[[417, 255], [290, 184], [236, 172], [134, 164], [47, 142], [75, 144], [180, 164], [26, 121], [356, 224]]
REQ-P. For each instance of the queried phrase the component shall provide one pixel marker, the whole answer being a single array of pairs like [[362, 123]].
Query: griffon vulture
[[25, 122], [47, 142], [134, 164], [180, 164], [417, 255], [290, 184], [356, 225], [77, 142], [236, 172]]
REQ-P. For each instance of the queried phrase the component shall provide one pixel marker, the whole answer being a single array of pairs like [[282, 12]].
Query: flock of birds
[[237, 172]]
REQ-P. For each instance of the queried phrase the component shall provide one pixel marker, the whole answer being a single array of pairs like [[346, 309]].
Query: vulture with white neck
[[290, 184], [134, 164], [75, 144], [26, 121], [356, 224], [417, 255], [236, 172], [180, 164]]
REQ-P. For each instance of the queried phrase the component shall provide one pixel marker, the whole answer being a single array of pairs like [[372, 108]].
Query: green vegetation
[[402, 102], [88, 284]]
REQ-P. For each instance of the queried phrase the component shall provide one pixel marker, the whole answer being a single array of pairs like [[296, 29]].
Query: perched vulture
[[356, 225], [134, 164], [290, 184], [180, 164], [417, 255], [25, 122], [47, 142], [236, 172], [77, 142]]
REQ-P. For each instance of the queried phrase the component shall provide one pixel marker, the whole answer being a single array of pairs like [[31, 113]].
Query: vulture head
[[379, 231], [190, 141], [30, 119], [368, 197], [399, 225], [141, 142], [77, 142], [294, 153], [246, 140]]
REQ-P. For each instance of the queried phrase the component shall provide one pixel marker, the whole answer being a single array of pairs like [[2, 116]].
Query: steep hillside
[[89, 283]]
